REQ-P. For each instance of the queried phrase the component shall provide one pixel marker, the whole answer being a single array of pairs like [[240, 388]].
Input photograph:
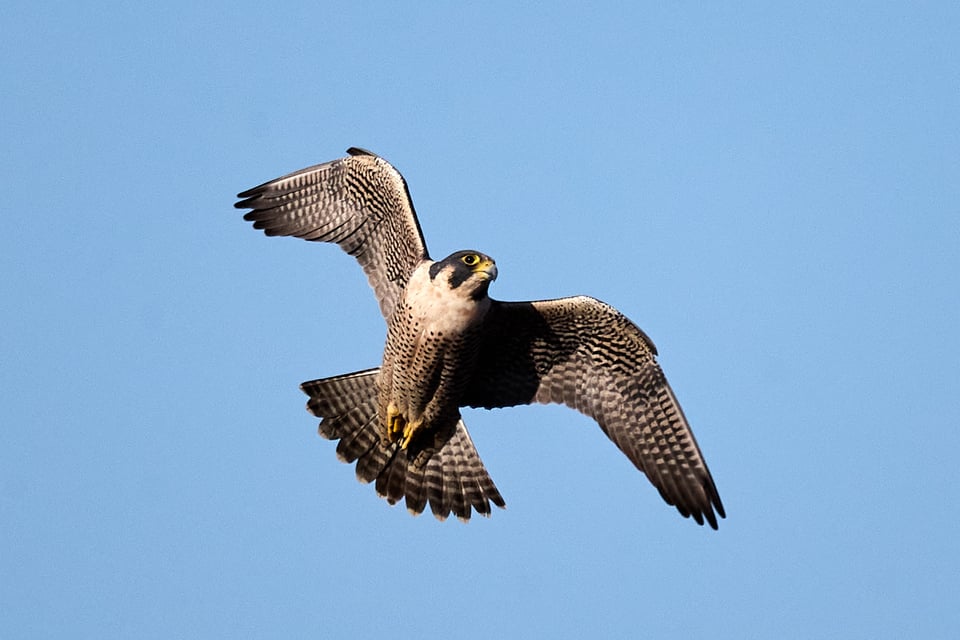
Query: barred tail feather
[[391, 483], [452, 480], [416, 488], [348, 406]]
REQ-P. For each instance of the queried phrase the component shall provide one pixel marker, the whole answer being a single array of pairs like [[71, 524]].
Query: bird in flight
[[449, 345]]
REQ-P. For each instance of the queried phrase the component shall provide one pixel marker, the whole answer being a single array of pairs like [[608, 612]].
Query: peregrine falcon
[[449, 345]]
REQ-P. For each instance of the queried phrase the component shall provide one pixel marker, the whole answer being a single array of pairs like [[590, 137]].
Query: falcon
[[450, 345]]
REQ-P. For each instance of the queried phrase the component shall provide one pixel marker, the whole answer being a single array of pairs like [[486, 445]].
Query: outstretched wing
[[360, 203], [587, 355]]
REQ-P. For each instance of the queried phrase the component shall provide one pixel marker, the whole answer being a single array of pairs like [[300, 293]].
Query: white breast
[[439, 308]]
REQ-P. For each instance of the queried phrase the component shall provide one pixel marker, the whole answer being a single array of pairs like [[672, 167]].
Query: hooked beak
[[486, 269]]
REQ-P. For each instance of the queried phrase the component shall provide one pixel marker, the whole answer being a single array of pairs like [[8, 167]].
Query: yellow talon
[[396, 423], [399, 429], [409, 431]]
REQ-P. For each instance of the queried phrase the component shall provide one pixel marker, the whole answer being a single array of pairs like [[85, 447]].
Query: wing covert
[[585, 354], [360, 203]]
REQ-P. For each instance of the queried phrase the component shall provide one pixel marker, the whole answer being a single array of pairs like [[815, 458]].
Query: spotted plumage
[[449, 345]]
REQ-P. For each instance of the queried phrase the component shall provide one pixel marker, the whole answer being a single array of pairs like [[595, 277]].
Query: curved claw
[[409, 433], [399, 429]]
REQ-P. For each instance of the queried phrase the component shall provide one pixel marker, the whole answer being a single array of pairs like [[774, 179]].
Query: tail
[[453, 478]]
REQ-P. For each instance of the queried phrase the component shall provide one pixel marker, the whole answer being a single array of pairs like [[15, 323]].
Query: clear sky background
[[771, 192]]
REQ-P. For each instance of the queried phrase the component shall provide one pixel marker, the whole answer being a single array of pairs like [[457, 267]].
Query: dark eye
[[471, 260]]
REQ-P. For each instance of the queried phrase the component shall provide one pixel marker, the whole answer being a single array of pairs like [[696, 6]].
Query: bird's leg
[[409, 433], [396, 423], [399, 429]]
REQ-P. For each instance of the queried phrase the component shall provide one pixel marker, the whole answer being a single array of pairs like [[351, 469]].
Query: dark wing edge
[[585, 354], [360, 203]]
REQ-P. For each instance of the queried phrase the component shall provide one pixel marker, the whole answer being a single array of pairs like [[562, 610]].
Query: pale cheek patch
[[439, 309]]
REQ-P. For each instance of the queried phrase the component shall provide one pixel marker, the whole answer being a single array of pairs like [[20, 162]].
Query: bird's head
[[469, 271]]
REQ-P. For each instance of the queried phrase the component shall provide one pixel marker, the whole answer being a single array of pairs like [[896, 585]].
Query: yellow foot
[[396, 424], [409, 433], [399, 429]]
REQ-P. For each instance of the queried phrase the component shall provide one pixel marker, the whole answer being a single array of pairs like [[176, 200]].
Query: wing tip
[[708, 514], [360, 151]]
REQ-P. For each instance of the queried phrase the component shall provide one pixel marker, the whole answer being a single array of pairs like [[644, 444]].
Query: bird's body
[[432, 340], [449, 345]]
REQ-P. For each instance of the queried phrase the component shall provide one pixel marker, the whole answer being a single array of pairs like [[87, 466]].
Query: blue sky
[[771, 192]]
